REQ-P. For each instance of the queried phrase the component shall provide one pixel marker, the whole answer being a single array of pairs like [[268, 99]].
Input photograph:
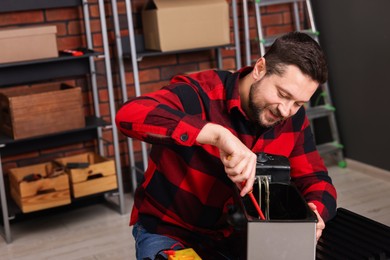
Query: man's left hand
[[320, 226]]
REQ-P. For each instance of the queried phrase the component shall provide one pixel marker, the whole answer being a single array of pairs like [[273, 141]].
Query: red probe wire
[[254, 202]]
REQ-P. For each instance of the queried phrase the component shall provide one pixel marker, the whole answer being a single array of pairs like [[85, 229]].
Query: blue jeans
[[148, 245]]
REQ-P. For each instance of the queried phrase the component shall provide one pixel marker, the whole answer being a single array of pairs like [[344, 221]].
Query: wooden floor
[[99, 232]]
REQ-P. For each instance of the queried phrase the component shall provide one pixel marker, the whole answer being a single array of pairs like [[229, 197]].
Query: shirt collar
[[233, 96]]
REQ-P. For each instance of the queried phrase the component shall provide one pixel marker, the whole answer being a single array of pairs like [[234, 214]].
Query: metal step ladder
[[314, 111]]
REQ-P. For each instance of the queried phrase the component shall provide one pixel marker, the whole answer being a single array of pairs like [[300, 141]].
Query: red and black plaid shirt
[[186, 191]]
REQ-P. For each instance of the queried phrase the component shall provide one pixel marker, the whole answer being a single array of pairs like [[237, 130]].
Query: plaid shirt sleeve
[[309, 173], [172, 115]]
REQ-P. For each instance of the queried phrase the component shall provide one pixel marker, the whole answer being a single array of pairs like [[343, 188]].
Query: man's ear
[[259, 69]]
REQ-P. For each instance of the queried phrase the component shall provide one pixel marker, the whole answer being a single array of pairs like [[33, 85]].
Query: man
[[206, 128]]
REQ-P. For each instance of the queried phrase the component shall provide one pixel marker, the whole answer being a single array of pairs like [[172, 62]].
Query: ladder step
[[327, 148], [267, 41], [276, 2], [319, 111]]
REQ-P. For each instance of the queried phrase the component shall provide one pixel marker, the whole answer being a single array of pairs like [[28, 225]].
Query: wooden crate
[[29, 111], [47, 192], [98, 176]]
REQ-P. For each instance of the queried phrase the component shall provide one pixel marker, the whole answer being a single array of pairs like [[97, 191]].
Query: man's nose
[[285, 108]]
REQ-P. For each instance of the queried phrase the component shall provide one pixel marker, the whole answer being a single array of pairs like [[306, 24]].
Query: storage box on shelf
[[172, 25], [28, 43], [39, 186], [40, 109], [89, 173]]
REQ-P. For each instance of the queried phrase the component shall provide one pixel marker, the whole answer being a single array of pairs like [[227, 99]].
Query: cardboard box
[[45, 192], [29, 111], [89, 174], [28, 43], [171, 25]]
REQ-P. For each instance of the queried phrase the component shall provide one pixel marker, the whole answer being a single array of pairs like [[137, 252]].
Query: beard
[[258, 114]]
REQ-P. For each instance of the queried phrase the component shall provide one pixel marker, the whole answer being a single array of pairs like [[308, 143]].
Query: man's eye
[[282, 95]]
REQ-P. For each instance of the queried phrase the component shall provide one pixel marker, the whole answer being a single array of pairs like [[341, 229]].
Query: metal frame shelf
[[28, 5], [45, 69], [57, 68], [10, 146]]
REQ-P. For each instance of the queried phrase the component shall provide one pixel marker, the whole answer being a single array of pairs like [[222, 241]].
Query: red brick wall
[[154, 72]]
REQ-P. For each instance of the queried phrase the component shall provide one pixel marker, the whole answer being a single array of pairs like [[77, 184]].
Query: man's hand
[[239, 160], [320, 226]]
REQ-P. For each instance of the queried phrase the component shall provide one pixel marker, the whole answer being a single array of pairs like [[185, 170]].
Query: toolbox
[[89, 173], [29, 111], [39, 186]]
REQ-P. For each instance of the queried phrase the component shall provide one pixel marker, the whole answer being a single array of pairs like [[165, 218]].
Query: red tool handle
[[73, 52]]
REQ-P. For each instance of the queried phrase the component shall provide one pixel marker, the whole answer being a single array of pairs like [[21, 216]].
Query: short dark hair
[[299, 49]]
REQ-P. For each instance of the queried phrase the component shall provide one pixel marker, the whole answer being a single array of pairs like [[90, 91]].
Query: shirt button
[[184, 137]]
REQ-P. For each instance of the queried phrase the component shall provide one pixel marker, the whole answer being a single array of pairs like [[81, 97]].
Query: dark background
[[355, 35]]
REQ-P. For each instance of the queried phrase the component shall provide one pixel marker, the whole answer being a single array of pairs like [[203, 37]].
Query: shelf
[[18, 73], [29, 5], [277, 2], [64, 67], [141, 52], [13, 147]]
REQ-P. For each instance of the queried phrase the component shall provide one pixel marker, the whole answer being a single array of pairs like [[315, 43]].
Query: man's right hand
[[239, 160]]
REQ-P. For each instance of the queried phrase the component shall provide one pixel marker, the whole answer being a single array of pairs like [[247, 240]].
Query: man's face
[[275, 98]]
